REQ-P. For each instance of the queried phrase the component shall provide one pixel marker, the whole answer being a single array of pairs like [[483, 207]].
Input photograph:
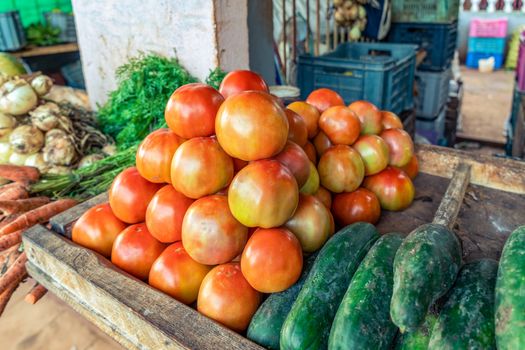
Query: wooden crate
[[140, 317]]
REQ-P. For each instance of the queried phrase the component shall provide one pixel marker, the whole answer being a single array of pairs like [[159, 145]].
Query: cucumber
[[425, 268], [510, 293], [307, 326], [417, 340], [363, 318], [466, 321], [265, 326]]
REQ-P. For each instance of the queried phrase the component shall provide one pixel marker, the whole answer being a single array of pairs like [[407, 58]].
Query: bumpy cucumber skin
[[417, 340], [265, 326], [308, 324], [510, 293], [425, 268], [467, 318], [363, 318]]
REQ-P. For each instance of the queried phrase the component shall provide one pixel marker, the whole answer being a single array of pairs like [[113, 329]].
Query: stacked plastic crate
[[487, 38], [433, 26]]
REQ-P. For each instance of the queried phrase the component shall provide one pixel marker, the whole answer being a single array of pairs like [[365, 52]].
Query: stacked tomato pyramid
[[221, 207]]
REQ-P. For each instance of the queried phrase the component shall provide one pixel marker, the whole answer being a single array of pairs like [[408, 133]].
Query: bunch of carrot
[[18, 212]]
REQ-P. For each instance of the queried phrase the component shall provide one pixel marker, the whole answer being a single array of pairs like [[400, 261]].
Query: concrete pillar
[[260, 29]]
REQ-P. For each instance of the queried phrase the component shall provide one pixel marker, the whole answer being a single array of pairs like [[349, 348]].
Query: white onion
[[59, 170], [45, 117], [7, 124], [37, 160], [42, 84], [51, 134], [26, 139], [17, 97], [90, 159], [109, 149], [60, 151], [5, 152], [18, 158]]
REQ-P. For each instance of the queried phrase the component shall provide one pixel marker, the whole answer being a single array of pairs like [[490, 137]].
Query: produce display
[[351, 14]]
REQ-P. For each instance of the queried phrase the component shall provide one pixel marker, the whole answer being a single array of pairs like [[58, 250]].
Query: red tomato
[[412, 168], [312, 184], [400, 146], [135, 250], [241, 80], [191, 110], [323, 99], [263, 194], [297, 131], [295, 159], [391, 121], [324, 196], [130, 194], [360, 205], [226, 297], [97, 228], [341, 169], [374, 152], [371, 118], [165, 213], [322, 143], [340, 124], [311, 223], [310, 115], [251, 125], [177, 274], [272, 260], [393, 188], [154, 155], [311, 152], [210, 233]]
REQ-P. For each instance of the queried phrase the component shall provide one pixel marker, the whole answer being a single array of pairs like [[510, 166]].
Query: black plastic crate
[[12, 36]]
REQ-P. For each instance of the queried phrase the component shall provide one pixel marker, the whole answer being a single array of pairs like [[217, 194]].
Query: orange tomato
[[97, 229], [360, 205], [241, 80], [390, 120], [324, 196], [226, 297], [130, 194], [322, 143], [341, 125], [341, 169], [312, 184], [177, 274], [400, 146], [311, 152], [393, 188], [374, 153], [135, 250], [323, 99], [412, 168], [297, 128], [371, 118], [295, 159], [310, 115]]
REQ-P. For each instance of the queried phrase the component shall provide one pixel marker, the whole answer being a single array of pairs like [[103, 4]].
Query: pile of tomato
[[222, 205]]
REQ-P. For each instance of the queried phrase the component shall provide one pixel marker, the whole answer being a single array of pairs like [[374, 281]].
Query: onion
[[5, 152], [59, 170], [18, 158], [26, 139], [60, 151], [37, 160], [17, 97], [362, 12], [51, 134], [109, 149], [7, 124], [89, 160], [42, 84], [45, 117]]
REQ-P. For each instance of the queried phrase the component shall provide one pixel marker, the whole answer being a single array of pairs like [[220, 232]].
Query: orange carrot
[[7, 255], [14, 272], [8, 219], [11, 207], [17, 173], [36, 293], [37, 216], [10, 239], [8, 292], [14, 192]]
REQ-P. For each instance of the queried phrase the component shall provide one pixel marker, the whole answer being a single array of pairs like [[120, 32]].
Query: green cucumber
[[510, 293], [417, 340], [425, 268], [363, 318], [466, 321], [265, 326], [308, 324]]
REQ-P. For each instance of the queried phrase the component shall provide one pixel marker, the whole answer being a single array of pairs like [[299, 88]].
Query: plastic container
[[488, 28], [12, 35], [381, 73], [439, 40], [429, 11], [487, 45], [474, 57], [65, 22], [432, 90], [432, 129]]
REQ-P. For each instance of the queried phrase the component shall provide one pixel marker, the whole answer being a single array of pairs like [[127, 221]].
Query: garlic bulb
[[37, 160], [42, 84], [18, 158], [26, 139], [60, 151], [45, 117], [51, 134], [7, 124], [17, 97], [90, 159], [59, 170], [5, 152]]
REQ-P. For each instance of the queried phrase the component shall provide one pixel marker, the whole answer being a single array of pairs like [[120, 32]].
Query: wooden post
[[317, 26], [308, 32], [294, 29], [285, 60]]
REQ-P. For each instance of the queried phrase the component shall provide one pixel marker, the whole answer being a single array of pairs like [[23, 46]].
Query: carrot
[[6, 255], [14, 272], [8, 292], [8, 219], [36, 293], [10, 239], [17, 173], [37, 216], [10, 207], [14, 192]]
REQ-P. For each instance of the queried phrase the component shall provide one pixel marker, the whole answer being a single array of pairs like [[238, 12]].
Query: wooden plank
[[144, 317], [46, 50]]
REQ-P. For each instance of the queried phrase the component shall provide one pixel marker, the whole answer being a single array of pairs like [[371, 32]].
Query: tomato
[[309, 148], [97, 228], [360, 205], [374, 152], [263, 194], [297, 128], [371, 118], [200, 167], [390, 120], [400, 146], [341, 169], [412, 168], [272, 260], [295, 159], [135, 250], [155, 153], [165, 213], [241, 80], [324, 196], [393, 188], [191, 110], [311, 223], [341, 125], [251, 125], [177, 274], [312, 184], [322, 143], [130, 194], [310, 115], [323, 99], [226, 297], [210, 233]]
